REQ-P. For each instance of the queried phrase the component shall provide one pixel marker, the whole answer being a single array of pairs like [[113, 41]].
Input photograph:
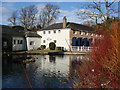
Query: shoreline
[[46, 53]]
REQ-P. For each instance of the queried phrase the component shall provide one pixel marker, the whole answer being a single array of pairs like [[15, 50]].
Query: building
[[17, 39], [69, 35], [33, 40]]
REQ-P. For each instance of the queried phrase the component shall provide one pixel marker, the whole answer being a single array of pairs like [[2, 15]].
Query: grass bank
[[46, 52]]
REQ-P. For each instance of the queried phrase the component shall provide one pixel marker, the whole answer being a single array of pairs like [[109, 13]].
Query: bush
[[60, 48], [102, 71], [42, 47], [52, 46]]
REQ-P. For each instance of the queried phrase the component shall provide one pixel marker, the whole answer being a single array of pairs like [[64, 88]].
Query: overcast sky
[[67, 9]]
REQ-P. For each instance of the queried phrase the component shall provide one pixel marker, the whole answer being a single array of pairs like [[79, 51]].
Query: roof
[[8, 30], [20, 28], [32, 34], [11, 31], [73, 26]]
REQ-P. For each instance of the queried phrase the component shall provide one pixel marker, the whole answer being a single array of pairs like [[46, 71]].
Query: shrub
[[52, 46], [60, 48], [102, 71], [42, 47]]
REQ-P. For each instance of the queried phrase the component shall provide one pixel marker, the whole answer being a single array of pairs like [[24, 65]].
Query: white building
[[17, 39], [33, 40], [62, 34], [18, 43]]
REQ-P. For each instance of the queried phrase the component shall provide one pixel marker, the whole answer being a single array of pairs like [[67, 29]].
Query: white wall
[[36, 45], [18, 46], [62, 37]]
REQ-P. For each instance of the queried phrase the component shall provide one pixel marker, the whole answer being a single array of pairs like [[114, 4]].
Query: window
[[49, 32], [54, 31], [21, 41], [92, 34], [87, 34], [43, 41], [5, 44], [14, 42], [80, 32], [74, 32], [18, 41], [43, 32], [32, 42], [55, 41], [59, 31]]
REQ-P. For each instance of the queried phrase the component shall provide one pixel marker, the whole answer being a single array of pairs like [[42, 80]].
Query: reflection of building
[[68, 35], [16, 39]]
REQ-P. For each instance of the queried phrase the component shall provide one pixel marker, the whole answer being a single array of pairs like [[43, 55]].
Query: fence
[[81, 48]]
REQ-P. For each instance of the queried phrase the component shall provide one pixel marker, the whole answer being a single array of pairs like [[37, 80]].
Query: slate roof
[[20, 28], [32, 34], [8, 30], [73, 26]]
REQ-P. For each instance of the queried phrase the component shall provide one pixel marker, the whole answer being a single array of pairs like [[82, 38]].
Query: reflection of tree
[[8, 66]]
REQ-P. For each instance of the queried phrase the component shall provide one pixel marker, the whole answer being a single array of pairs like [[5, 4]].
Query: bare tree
[[89, 23], [13, 18], [28, 16], [48, 15], [99, 10]]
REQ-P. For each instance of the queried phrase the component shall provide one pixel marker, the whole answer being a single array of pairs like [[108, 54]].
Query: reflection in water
[[52, 59], [46, 72]]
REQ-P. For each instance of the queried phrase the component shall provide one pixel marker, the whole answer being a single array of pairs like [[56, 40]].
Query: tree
[[98, 10], [89, 23], [48, 15], [35, 28], [52, 46], [103, 70], [28, 16], [13, 18]]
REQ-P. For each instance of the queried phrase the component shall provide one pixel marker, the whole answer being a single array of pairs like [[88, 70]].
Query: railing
[[81, 48]]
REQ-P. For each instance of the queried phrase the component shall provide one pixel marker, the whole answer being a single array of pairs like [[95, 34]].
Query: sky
[[67, 9]]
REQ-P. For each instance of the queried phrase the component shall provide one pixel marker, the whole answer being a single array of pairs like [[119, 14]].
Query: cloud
[[40, 6], [5, 14], [6, 11], [71, 16]]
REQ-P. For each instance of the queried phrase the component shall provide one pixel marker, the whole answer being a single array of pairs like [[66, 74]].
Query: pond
[[48, 71]]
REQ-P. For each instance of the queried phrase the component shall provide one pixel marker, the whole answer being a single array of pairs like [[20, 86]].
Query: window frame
[[32, 43], [44, 41], [49, 32], [55, 41], [43, 32], [54, 31], [14, 42], [59, 31]]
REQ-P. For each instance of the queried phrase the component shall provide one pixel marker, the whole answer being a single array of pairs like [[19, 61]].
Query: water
[[47, 72]]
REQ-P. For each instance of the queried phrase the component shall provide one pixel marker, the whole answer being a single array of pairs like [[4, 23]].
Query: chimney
[[64, 22]]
